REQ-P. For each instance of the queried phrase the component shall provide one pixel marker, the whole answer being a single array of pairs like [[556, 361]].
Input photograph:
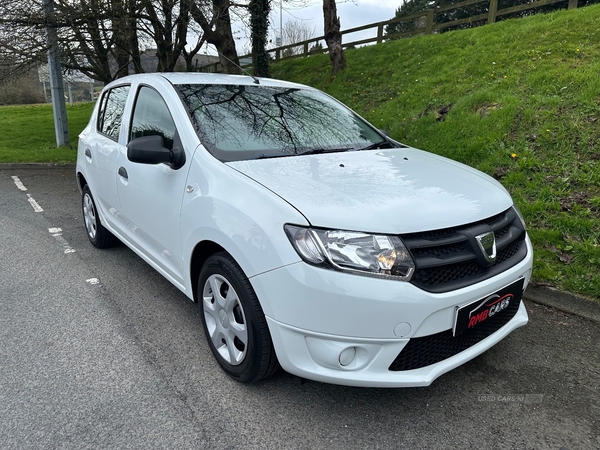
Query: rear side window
[[151, 117], [111, 111]]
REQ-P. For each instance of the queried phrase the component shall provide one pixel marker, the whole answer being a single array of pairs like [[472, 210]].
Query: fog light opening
[[347, 356]]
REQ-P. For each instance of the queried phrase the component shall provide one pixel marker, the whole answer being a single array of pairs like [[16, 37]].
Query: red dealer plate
[[478, 312]]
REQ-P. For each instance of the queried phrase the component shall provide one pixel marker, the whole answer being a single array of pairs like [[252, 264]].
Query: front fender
[[238, 214]]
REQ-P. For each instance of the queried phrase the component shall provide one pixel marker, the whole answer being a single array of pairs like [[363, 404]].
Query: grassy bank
[[519, 100], [28, 133]]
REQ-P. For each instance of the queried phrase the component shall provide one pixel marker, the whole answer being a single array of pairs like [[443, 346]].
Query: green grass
[[28, 133], [524, 106]]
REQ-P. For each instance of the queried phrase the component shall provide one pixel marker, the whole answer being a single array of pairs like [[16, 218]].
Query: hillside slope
[[519, 99]]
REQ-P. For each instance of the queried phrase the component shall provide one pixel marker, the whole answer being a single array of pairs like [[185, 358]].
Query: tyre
[[234, 323], [99, 236]]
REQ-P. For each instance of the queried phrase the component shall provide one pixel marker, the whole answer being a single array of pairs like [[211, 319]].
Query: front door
[[151, 195]]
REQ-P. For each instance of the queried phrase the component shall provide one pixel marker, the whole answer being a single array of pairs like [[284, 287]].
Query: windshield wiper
[[376, 145], [318, 151], [275, 155], [312, 151]]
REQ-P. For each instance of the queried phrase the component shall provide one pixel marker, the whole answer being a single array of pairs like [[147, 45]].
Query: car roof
[[176, 78]]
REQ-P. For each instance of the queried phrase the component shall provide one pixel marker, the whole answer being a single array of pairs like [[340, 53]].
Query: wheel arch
[[202, 251], [81, 181]]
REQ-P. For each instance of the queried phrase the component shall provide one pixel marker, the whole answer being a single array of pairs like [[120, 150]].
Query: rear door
[[102, 151]]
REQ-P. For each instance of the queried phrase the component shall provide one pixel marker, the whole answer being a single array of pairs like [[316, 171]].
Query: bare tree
[[22, 44], [167, 22], [333, 37], [296, 31], [96, 37], [93, 35], [103, 39]]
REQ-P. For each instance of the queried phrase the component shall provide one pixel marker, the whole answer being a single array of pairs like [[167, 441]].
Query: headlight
[[371, 254]]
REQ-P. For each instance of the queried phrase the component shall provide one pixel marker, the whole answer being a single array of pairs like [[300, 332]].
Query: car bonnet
[[400, 190]]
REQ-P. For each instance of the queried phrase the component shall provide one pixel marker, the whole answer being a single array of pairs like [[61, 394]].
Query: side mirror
[[150, 150]]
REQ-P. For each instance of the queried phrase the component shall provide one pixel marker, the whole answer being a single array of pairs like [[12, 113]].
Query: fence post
[[306, 49], [380, 33], [277, 55], [572, 4], [429, 22], [492, 11]]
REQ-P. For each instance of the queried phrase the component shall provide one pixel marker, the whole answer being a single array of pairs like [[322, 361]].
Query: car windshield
[[238, 122]]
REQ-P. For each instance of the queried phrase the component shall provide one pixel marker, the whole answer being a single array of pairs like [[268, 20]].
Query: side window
[[111, 111], [151, 117]]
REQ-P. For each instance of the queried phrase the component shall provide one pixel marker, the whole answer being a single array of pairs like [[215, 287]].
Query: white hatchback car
[[309, 238]]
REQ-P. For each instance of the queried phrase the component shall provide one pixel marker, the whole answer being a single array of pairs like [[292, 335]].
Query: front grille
[[427, 350], [449, 259]]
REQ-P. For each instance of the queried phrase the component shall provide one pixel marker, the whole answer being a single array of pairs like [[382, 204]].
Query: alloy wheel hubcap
[[225, 319], [89, 216]]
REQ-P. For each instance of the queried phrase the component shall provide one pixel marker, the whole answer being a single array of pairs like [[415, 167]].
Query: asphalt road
[[99, 351]]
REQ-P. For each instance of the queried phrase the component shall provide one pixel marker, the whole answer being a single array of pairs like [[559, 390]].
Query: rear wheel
[[99, 236], [234, 323]]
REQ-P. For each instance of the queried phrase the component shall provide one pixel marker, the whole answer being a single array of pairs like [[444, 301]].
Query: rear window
[[110, 115]]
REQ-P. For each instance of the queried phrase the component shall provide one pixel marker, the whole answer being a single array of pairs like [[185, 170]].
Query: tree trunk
[[121, 39], [134, 44], [333, 37], [259, 31], [228, 57], [218, 32]]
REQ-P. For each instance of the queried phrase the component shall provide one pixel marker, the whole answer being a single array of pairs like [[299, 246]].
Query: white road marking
[[93, 281], [57, 234], [36, 207], [19, 184]]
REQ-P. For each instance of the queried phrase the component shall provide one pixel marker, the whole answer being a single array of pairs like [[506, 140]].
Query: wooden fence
[[425, 19]]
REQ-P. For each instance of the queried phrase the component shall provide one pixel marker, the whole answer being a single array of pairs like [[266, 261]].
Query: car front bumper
[[348, 329]]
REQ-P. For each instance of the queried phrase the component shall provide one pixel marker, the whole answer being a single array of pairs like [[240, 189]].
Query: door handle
[[123, 172]]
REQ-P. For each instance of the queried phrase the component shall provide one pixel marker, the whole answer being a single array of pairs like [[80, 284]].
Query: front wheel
[[234, 323], [99, 236]]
